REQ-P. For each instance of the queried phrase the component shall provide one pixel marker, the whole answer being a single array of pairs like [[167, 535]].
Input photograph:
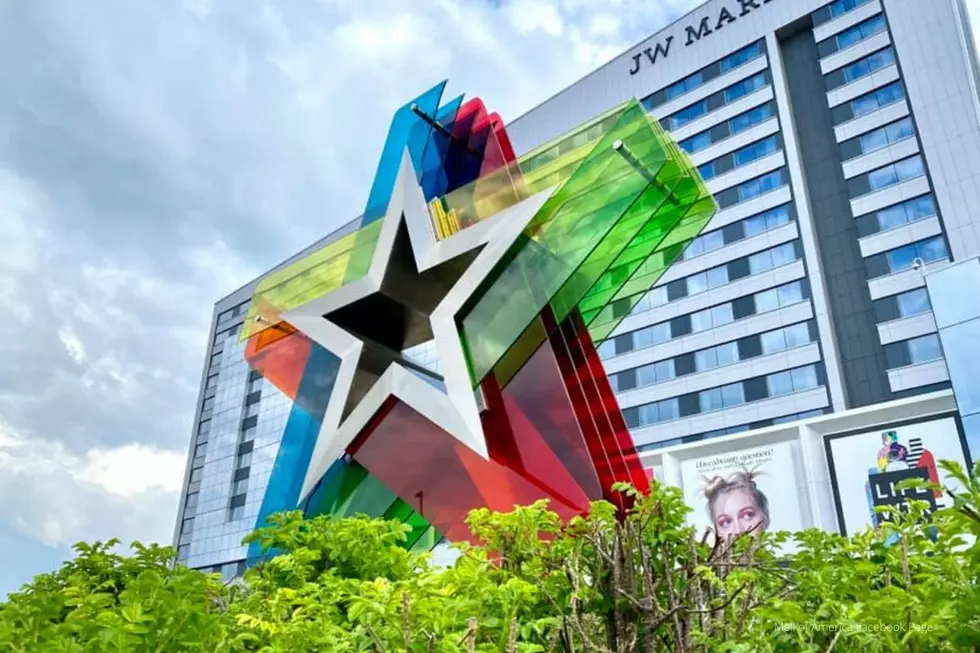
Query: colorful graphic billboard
[[867, 467]]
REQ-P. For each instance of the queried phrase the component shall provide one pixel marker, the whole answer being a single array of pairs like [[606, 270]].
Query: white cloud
[[128, 492]]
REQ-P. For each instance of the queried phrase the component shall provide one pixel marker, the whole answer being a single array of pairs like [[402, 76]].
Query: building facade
[[841, 141]]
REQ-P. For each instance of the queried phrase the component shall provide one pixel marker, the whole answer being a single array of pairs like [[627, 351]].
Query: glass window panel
[[646, 375], [696, 143], [700, 321], [783, 255], [755, 226], [779, 384], [766, 301], [697, 283], [713, 240], [890, 94], [925, 349], [893, 216], [710, 400], [931, 250], [732, 395], [760, 262], [804, 378], [717, 276], [669, 410], [921, 207], [773, 341], [864, 105], [706, 359], [707, 170], [883, 177], [722, 314], [901, 258], [900, 131], [909, 168], [915, 302], [665, 370], [727, 353], [874, 141], [607, 349], [797, 335]]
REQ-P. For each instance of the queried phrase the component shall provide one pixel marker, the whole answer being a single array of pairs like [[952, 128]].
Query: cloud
[[129, 492]]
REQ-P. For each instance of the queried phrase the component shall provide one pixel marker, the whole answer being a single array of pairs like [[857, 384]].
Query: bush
[[646, 583]]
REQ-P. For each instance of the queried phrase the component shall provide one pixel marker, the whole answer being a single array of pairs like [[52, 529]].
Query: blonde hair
[[741, 480]]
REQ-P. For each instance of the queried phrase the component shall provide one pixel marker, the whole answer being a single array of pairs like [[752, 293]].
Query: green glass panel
[[619, 206]]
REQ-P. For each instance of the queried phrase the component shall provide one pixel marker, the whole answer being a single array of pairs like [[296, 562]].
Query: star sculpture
[[513, 268], [414, 291]]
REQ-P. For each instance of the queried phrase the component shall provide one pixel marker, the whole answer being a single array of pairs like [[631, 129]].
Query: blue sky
[[156, 155]]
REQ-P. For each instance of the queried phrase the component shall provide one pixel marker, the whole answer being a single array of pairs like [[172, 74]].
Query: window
[[686, 85], [871, 63], [887, 135], [860, 32], [797, 335], [704, 243], [696, 143], [691, 82], [710, 400], [896, 173], [779, 384], [750, 118], [924, 349], [687, 115], [744, 87], [759, 186], [706, 359], [732, 395], [804, 378], [903, 258], [236, 513], [841, 7], [877, 99], [212, 382], [240, 487], [252, 409], [717, 276], [756, 151], [914, 302], [910, 211], [736, 125], [773, 341], [767, 221], [727, 353], [187, 526], [740, 58]]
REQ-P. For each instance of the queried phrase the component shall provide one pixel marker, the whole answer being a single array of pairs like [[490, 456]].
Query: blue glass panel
[[435, 183], [406, 130], [298, 437]]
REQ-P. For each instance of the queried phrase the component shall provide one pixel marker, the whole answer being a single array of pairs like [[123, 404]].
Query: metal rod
[[624, 151]]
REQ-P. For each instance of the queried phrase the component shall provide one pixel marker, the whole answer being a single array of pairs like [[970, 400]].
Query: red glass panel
[[441, 478], [280, 354]]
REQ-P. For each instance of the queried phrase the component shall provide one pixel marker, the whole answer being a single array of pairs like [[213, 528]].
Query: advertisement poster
[[750, 490], [866, 467]]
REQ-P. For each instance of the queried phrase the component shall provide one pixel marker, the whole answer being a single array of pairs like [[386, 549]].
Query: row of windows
[[869, 102], [708, 318], [841, 7], [912, 352], [852, 36], [878, 139], [696, 80], [907, 304], [710, 358], [729, 128], [731, 430], [735, 394], [741, 157], [752, 188], [747, 228], [701, 108], [570, 144], [231, 313], [889, 175], [870, 64], [897, 215], [903, 258]]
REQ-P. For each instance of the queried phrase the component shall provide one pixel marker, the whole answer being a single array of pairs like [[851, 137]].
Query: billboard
[[866, 467], [748, 490]]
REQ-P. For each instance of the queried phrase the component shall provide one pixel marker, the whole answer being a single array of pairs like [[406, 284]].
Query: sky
[[155, 156]]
